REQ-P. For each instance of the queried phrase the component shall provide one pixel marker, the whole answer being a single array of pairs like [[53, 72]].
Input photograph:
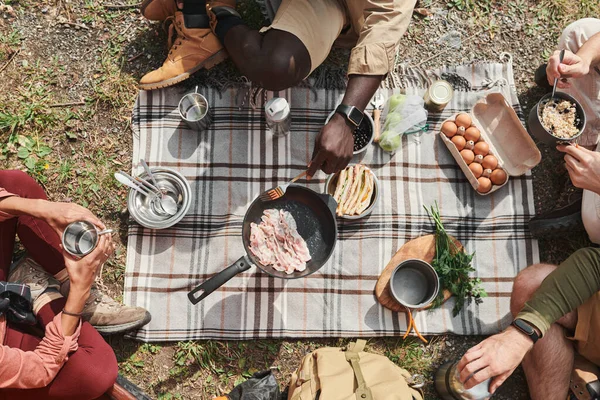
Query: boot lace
[[175, 34]]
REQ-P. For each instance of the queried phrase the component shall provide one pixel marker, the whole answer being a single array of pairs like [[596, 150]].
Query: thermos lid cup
[[277, 109]]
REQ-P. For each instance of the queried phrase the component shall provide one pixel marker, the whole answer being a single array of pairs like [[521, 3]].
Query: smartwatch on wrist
[[526, 328], [351, 113]]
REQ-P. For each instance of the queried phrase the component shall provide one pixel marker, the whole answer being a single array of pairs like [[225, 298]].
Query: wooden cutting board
[[422, 248]]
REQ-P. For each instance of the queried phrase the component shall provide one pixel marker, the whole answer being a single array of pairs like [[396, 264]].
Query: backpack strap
[[362, 392]]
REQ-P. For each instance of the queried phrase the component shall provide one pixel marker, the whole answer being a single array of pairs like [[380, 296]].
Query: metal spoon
[[127, 181], [166, 202], [148, 171], [560, 57]]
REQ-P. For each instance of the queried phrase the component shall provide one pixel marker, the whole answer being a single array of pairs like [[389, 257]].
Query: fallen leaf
[[423, 11]]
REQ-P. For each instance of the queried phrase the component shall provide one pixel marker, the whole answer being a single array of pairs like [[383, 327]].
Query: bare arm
[[574, 65], [335, 144]]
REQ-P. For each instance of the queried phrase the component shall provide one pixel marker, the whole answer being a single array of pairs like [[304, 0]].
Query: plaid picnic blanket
[[237, 159]]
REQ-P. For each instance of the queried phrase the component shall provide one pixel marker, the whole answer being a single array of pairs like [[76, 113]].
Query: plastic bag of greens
[[405, 114], [261, 386]]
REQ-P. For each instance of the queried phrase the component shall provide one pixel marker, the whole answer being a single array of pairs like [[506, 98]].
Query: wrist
[[77, 298], [341, 119], [520, 338]]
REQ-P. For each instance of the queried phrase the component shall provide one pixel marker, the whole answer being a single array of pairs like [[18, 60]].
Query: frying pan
[[315, 217]]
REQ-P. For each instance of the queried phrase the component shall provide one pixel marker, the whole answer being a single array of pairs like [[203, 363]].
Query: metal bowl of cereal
[[556, 120]]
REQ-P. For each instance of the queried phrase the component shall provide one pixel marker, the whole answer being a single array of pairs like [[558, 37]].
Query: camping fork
[[279, 191]]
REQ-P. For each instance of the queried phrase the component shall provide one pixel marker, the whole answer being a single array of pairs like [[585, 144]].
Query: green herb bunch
[[453, 266]]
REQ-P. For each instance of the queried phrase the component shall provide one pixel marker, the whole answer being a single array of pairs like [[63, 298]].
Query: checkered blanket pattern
[[237, 159]]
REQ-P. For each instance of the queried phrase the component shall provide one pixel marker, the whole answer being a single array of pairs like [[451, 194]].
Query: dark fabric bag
[[15, 303], [262, 386]]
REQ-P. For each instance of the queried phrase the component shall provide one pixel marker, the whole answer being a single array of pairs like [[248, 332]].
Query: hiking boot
[[158, 10], [27, 272], [194, 48], [220, 8], [107, 315], [541, 79], [565, 217]]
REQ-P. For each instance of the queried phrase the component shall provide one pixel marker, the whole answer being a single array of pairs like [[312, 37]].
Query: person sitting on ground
[[71, 360], [579, 76], [283, 54], [39, 225], [560, 306]]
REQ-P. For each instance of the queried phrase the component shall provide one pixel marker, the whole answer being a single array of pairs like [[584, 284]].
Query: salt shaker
[[278, 116]]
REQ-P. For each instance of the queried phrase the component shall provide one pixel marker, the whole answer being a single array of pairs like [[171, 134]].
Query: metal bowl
[[414, 283], [145, 211], [331, 183], [369, 120], [542, 134]]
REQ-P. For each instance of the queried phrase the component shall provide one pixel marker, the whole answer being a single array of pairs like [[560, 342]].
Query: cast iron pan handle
[[209, 286], [330, 201]]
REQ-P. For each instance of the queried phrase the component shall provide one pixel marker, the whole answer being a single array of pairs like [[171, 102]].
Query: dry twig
[[75, 103], [120, 6], [10, 60]]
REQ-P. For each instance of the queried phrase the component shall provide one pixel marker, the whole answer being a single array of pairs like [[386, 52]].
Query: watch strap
[[526, 328], [347, 112]]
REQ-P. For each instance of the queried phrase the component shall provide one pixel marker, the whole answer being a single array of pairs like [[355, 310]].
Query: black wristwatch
[[526, 328], [351, 113]]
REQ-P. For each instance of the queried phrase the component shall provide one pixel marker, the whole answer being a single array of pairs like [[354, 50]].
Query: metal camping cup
[[448, 385], [414, 284], [81, 237], [278, 116], [193, 109]]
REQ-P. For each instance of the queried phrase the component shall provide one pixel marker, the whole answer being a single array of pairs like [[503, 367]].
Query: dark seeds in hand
[[362, 134]]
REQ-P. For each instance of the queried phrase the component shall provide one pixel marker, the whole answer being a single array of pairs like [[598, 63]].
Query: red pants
[[92, 369]]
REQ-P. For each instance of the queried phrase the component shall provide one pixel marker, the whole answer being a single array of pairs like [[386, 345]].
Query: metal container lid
[[440, 92]]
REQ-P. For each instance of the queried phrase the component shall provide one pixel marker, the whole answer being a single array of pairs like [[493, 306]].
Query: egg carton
[[508, 140]]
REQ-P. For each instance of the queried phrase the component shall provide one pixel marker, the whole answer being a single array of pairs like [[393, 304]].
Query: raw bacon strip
[[276, 242]]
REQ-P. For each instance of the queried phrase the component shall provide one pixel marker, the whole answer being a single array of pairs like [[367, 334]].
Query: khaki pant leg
[[590, 213], [587, 88]]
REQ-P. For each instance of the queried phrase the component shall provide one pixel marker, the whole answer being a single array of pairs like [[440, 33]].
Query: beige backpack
[[332, 373]]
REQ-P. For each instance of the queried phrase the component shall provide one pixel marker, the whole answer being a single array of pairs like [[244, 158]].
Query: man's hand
[[333, 147], [82, 271], [59, 215], [496, 356], [572, 66], [583, 166]]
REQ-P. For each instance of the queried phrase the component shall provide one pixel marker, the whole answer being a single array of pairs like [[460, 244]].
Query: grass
[[73, 150]]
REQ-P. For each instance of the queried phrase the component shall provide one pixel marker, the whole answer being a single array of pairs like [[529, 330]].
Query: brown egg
[[461, 130], [449, 128], [473, 134], [478, 158], [459, 142], [467, 155], [463, 119], [481, 148], [487, 173], [476, 169], [490, 162], [470, 144], [498, 176], [484, 185]]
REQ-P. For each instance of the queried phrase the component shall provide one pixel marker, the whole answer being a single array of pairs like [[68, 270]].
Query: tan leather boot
[[194, 48], [158, 10]]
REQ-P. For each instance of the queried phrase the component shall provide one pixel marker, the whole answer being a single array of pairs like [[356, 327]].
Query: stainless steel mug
[[81, 238], [194, 110]]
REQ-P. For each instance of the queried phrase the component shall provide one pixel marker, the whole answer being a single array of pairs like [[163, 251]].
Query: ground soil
[[68, 70]]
